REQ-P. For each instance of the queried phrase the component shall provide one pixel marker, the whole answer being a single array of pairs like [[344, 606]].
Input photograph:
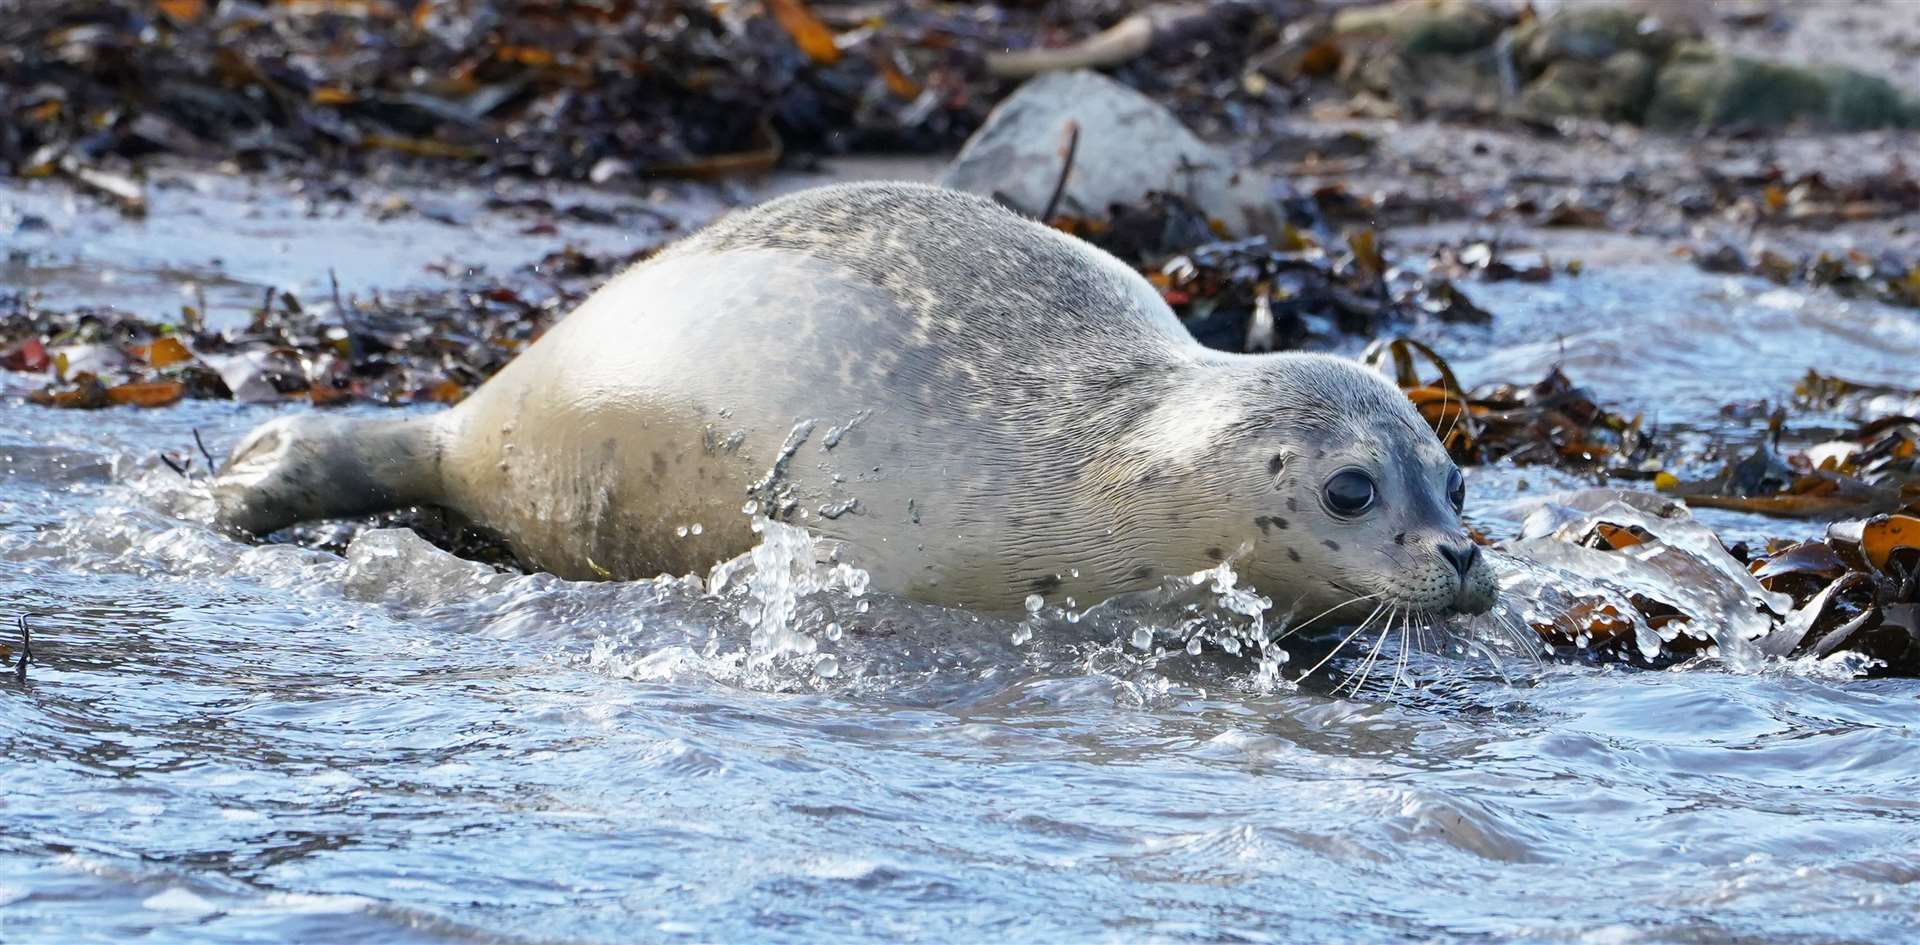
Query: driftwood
[[1119, 43]]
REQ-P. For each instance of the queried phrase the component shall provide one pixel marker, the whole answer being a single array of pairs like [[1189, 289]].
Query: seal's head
[[1362, 503]]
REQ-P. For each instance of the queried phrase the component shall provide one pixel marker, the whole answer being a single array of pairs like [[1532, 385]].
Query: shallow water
[[220, 241], [223, 742]]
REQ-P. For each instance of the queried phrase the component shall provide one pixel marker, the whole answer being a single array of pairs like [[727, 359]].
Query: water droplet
[[833, 632], [681, 531], [1034, 603], [1021, 634], [1193, 646], [695, 528], [751, 507], [855, 579], [1142, 638], [863, 607], [826, 666]]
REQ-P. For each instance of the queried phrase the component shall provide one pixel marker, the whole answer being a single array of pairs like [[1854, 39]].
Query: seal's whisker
[[1400, 668], [1453, 419], [1406, 630], [1343, 643], [1429, 623], [1485, 626], [1406, 623], [1523, 637], [1296, 628], [1406, 627], [1526, 636], [1358, 678], [1358, 629], [1492, 656], [1417, 643], [1559, 614]]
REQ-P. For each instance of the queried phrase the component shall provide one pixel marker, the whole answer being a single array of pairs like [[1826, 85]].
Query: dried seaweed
[[574, 89], [394, 349]]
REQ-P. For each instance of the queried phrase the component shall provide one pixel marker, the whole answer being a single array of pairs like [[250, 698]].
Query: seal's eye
[[1457, 490], [1349, 493]]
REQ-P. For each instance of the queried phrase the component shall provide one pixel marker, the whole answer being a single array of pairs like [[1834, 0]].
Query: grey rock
[[1594, 34], [1128, 147], [1424, 27], [1615, 89], [1701, 88]]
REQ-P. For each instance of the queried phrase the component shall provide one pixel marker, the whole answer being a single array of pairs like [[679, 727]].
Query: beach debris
[[1873, 469], [1854, 273], [605, 91], [421, 346], [1549, 422], [26, 650]]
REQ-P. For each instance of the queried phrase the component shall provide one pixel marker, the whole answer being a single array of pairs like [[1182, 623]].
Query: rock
[[1696, 90], [1128, 147], [1614, 89], [1424, 55], [1858, 100], [1420, 85], [1595, 34], [1595, 62], [1701, 88], [1424, 27]]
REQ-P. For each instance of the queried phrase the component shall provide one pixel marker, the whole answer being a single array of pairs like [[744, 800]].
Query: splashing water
[[227, 742], [1683, 565], [224, 741]]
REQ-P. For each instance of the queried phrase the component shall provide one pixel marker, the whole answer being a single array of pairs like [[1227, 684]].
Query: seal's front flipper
[[300, 468]]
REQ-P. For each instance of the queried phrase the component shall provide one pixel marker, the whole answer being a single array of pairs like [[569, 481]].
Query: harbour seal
[[970, 406]]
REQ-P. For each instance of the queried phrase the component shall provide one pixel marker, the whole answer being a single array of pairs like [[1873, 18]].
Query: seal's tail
[[300, 468]]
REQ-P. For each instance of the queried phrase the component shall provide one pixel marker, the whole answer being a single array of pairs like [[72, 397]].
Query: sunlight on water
[[223, 741]]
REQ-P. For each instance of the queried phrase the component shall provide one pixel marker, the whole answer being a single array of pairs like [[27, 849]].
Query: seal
[[970, 406]]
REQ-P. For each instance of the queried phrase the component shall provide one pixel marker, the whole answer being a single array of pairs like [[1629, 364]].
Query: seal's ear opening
[[1277, 467]]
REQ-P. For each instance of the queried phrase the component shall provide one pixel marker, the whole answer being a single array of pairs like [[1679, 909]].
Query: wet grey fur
[[1010, 410]]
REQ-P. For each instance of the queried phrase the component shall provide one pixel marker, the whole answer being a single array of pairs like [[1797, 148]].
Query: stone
[[1701, 88], [1614, 89], [1424, 27], [1129, 146], [1595, 34]]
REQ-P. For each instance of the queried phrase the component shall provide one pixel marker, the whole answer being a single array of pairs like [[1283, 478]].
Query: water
[[221, 241], [224, 742]]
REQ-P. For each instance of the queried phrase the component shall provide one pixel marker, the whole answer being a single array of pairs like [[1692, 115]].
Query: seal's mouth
[[1468, 602]]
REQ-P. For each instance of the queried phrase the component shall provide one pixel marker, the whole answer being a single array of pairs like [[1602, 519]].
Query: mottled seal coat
[[975, 407]]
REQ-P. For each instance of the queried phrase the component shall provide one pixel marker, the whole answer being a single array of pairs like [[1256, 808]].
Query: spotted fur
[[971, 406]]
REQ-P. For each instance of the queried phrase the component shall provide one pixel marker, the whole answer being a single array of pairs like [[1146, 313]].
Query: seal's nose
[[1462, 557]]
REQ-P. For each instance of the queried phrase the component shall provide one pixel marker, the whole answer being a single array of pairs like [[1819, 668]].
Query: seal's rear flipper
[[300, 468]]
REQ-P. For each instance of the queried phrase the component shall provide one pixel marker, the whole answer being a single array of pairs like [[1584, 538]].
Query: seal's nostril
[[1461, 556]]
